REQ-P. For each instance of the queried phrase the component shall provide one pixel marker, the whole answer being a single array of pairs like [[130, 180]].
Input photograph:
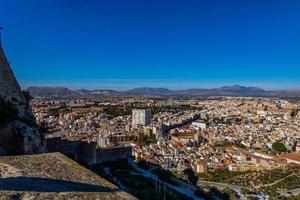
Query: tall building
[[141, 117]]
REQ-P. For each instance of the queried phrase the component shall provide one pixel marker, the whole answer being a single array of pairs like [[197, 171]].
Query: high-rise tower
[[141, 117]]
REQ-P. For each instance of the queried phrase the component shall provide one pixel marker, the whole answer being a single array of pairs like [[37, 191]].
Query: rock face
[[18, 131], [53, 176], [9, 87]]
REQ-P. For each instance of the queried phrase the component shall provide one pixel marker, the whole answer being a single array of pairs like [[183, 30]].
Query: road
[[295, 192], [235, 188], [147, 174], [221, 186]]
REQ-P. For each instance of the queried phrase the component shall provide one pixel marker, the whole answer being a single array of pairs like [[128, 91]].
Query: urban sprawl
[[241, 135]]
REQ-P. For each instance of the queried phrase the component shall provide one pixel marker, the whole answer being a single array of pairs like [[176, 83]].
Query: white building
[[141, 117], [199, 125]]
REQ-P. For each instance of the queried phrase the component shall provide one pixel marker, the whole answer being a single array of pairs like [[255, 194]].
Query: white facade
[[199, 125], [141, 117]]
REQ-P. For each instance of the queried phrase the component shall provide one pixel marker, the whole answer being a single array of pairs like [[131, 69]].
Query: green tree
[[279, 147]]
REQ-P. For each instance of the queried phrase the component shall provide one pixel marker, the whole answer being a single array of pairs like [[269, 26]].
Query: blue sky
[[119, 44]]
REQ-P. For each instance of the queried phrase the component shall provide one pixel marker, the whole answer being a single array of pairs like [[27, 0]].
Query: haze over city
[[174, 44]]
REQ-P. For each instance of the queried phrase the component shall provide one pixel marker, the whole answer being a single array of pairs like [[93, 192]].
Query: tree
[[245, 190], [192, 178], [279, 147]]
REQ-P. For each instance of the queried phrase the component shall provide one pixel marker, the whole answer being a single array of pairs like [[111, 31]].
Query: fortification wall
[[87, 153], [82, 152], [113, 153]]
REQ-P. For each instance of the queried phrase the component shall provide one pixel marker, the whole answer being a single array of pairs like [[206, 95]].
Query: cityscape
[[167, 100], [234, 143]]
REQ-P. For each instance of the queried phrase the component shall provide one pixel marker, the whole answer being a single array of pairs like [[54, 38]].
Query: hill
[[51, 91], [235, 90]]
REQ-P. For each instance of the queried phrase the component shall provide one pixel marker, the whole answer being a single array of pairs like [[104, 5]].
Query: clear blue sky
[[122, 44]]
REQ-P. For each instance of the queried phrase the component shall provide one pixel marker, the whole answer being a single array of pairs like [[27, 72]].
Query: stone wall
[[78, 150], [87, 153], [113, 153]]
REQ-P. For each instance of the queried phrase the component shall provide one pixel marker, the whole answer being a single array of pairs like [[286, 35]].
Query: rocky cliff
[[18, 131], [53, 176]]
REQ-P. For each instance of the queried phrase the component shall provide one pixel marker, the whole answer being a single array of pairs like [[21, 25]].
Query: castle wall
[[113, 153], [80, 151], [87, 153]]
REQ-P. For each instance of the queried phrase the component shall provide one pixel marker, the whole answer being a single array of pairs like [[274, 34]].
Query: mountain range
[[235, 90]]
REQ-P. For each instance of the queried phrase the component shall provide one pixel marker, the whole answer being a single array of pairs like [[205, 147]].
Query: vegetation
[[292, 197], [269, 180], [240, 145], [291, 182], [279, 147], [245, 190], [165, 176], [136, 184], [214, 193], [191, 176], [220, 175], [56, 111], [116, 111], [231, 194]]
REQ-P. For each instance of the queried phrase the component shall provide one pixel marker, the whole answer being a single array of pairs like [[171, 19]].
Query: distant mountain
[[235, 90], [285, 93], [104, 92], [83, 91], [149, 91], [51, 92]]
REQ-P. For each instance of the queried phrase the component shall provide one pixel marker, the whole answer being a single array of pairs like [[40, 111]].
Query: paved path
[[182, 190], [288, 193], [218, 185]]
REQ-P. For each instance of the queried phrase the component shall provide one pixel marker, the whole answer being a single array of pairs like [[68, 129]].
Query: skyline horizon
[[122, 45], [108, 85]]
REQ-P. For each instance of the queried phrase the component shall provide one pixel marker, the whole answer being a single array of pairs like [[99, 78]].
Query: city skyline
[[117, 45]]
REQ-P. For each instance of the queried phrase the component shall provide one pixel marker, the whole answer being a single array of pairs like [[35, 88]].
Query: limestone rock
[[19, 138], [9, 87], [18, 132], [53, 176]]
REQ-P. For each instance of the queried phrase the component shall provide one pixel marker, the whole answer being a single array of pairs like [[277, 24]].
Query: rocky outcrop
[[53, 176], [9, 87], [19, 138], [18, 131]]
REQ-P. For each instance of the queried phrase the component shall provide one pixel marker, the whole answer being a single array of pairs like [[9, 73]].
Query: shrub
[[279, 147]]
